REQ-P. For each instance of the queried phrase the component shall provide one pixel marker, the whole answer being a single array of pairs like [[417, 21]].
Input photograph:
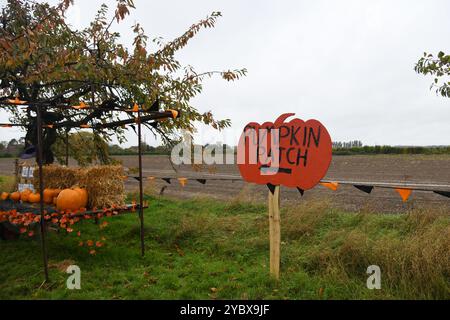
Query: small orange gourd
[[15, 196], [48, 195], [34, 198], [25, 194]]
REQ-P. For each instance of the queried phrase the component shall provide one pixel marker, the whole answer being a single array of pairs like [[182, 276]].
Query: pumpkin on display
[[69, 199], [83, 196], [5, 195], [25, 194], [56, 192], [34, 198], [48, 195], [300, 157], [15, 196]]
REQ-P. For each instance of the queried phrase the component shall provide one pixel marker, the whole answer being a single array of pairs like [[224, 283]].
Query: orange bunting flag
[[85, 126], [6, 126], [182, 181], [174, 113], [124, 177], [404, 193], [135, 108], [16, 101], [48, 126], [82, 105], [151, 178], [330, 185]]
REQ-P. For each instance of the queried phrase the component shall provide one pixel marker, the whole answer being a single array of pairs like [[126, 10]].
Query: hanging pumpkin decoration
[[296, 154], [15, 196], [34, 198], [68, 199]]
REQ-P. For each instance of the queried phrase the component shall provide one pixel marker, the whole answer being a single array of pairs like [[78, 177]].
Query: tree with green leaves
[[44, 60], [439, 68]]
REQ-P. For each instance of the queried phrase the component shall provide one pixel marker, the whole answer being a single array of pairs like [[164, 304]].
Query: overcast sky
[[349, 64]]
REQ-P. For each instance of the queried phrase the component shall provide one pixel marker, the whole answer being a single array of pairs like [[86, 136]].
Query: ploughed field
[[429, 169]]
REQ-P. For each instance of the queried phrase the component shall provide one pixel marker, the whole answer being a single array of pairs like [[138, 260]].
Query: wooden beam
[[274, 232]]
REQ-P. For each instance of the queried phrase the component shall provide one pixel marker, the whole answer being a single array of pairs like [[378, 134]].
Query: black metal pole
[[67, 146], [41, 190], [141, 209]]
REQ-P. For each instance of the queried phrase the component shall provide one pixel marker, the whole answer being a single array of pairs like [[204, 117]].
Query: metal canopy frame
[[149, 116]]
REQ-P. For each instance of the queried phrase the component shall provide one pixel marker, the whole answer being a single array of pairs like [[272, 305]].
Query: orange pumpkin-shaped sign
[[293, 154]]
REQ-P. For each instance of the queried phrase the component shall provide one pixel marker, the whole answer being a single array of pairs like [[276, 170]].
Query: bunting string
[[403, 189]]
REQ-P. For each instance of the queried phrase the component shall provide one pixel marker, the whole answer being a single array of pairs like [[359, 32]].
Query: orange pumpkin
[[69, 199], [56, 192], [54, 200], [34, 198], [25, 194], [83, 196], [5, 195], [15, 196], [48, 195]]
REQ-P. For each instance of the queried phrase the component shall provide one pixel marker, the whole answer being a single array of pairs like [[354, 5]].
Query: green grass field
[[205, 249]]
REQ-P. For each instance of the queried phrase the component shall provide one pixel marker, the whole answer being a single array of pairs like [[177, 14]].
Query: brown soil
[[378, 168]]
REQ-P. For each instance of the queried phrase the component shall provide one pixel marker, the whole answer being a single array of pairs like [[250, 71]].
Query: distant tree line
[[116, 150], [356, 147]]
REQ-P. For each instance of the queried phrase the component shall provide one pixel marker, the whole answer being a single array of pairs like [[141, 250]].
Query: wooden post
[[274, 232]]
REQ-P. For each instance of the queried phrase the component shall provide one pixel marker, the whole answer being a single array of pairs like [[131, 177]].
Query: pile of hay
[[104, 185], [55, 177]]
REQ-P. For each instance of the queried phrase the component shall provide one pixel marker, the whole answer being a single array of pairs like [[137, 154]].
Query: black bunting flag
[[271, 187], [443, 193], [137, 178], [202, 181], [366, 189], [301, 191], [166, 180]]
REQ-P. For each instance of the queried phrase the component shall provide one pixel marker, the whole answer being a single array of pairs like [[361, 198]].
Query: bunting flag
[[271, 187], [330, 185], [183, 181], [85, 126], [174, 113], [366, 189], [16, 101], [124, 177], [404, 193], [82, 105], [166, 180], [137, 178], [443, 193], [134, 109], [47, 126], [202, 181], [6, 126], [302, 192], [151, 178]]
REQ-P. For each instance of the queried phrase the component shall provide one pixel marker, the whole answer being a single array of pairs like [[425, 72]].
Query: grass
[[205, 249]]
